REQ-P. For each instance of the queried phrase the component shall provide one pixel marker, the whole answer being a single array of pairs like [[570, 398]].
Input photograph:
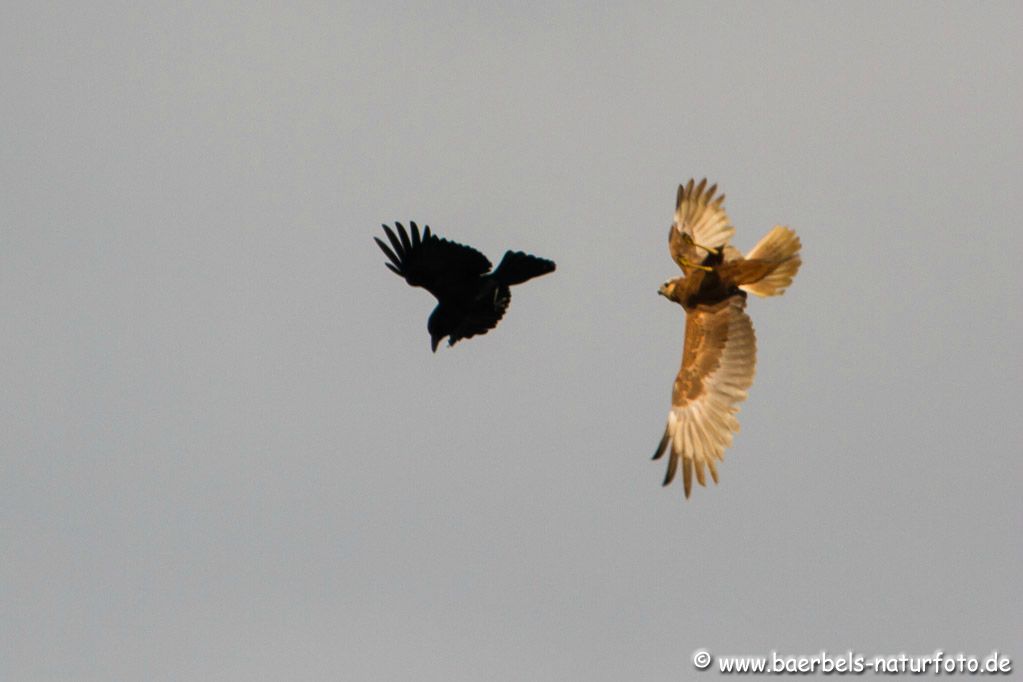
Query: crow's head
[[441, 323]]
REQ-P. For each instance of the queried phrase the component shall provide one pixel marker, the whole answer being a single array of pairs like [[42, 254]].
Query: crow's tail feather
[[517, 267]]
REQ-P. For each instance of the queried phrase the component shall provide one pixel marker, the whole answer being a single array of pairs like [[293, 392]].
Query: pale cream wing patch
[[718, 364], [702, 215], [781, 246]]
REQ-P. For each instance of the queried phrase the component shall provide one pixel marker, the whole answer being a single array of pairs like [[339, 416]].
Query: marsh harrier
[[719, 356]]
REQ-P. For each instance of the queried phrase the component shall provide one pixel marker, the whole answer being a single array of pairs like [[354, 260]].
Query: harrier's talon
[[689, 239], [697, 266], [708, 249]]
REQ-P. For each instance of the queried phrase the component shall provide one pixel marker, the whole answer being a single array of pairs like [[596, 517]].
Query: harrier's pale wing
[[718, 363], [702, 215]]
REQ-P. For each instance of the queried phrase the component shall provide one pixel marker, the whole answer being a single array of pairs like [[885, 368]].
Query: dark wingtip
[[669, 475], [394, 241], [390, 255], [404, 237], [662, 446]]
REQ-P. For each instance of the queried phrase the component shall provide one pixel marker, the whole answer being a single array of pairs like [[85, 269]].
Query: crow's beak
[[434, 342]]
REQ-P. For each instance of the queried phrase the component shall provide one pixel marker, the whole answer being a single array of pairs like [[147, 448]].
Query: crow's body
[[471, 300]]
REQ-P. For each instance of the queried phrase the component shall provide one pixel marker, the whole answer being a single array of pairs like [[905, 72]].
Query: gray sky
[[227, 452]]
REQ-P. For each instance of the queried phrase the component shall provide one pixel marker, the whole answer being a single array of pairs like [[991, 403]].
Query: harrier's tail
[[517, 267], [781, 247]]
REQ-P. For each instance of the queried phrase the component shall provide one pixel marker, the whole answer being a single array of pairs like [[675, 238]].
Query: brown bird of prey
[[719, 356], [471, 300]]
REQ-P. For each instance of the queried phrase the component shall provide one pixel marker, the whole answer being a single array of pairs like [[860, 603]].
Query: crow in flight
[[470, 299], [719, 356]]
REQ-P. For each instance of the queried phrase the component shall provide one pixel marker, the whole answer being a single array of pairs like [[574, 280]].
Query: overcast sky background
[[226, 451]]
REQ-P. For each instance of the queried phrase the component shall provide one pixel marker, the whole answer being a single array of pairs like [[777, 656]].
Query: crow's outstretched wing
[[483, 316], [440, 266]]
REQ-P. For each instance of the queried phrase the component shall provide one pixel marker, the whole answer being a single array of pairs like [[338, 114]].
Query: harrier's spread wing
[[718, 363], [702, 215], [438, 265]]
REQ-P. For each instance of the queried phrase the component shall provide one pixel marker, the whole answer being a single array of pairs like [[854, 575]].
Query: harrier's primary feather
[[719, 355], [700, 219], [470, 299]]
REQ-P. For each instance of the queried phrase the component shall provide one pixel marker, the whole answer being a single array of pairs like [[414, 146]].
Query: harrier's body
[[719, 357]]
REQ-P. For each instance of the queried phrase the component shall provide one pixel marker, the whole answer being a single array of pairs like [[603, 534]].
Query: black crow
[[471, 300]]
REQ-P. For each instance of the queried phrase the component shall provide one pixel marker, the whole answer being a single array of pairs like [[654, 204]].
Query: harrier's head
[[672, 290]]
